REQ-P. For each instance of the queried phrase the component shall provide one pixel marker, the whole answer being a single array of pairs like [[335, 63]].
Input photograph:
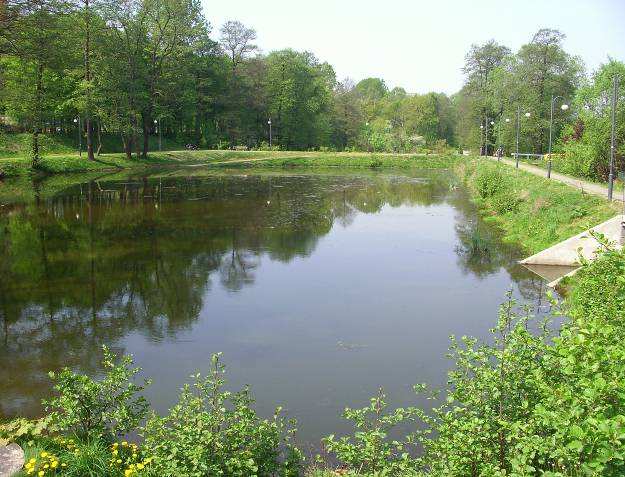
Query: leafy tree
[[236, 40], [586, 143], [33, 35]]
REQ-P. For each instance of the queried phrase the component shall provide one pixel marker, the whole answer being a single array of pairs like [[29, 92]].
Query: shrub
[[489, 181], [211, 431], [90, 408], [505, 201], [370, 449], [580, 160]]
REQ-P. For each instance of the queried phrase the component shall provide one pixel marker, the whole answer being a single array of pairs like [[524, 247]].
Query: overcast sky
[[420, 45]]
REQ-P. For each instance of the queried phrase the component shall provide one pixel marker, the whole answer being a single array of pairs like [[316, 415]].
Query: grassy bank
[[19, 144], [73, 163], [532, 211], [347, 160]]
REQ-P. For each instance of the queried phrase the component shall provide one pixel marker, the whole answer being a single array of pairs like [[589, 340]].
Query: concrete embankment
[[563, 258]]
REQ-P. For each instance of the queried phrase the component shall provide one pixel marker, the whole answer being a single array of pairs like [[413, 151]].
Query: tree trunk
[[146, 135], [99, 139], [127, 146], [87, 53], [36, 158]]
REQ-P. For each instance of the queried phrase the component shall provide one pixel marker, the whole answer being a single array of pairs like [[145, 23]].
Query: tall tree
[[33, 35], [544, 70], [236, 40]]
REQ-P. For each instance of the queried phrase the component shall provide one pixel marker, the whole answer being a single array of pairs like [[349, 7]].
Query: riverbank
[[532, 211], [73, 163]]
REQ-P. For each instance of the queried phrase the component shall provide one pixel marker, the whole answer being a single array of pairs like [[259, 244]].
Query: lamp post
[[77, 122], [564, 107], [615, 81], [518, 130], [269, 122], [481, 139], [157, 124], [507, 120]]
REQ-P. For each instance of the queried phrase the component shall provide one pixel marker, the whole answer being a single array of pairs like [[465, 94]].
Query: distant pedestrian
[[499, 153]]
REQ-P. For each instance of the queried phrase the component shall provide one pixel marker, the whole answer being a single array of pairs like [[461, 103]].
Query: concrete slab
[[567, 253]]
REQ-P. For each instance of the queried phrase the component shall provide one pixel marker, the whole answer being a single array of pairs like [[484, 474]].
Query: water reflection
[[141, 264]]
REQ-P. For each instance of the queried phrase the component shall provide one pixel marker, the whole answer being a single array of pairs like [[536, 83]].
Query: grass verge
[[532, 211]]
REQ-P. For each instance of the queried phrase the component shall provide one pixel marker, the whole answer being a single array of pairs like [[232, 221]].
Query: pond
[[318, 288]]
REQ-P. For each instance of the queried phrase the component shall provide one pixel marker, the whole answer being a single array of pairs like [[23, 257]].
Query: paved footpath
[[589, 187]]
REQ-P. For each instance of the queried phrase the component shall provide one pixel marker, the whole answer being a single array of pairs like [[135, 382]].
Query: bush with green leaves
[[111, 406], [371, 449], [211, 431], [490, 181]]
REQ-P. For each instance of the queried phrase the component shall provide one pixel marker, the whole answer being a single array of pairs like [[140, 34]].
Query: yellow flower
[[134, 456], [46, 466], [32, 461], [124, 443], [54, 464], [140, 466], [44, 454], [63, 464], [127, 472], [40, 473], [30, 471], [119, 461], [115, 444], [115, 452]]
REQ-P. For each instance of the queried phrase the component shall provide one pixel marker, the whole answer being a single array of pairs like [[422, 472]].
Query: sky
[[420, 45]]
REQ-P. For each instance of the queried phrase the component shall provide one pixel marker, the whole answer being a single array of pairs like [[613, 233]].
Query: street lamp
[[500, 150], [481, 139], [77, 122], [518, 130], [615, 82], [269, 122], [157, 124], [564, 107]]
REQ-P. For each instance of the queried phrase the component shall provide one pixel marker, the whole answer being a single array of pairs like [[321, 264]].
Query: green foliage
[[587, 144], [211, 431], [25, 431], [108, 407], [490, 181], [371, 448], [89, 457]]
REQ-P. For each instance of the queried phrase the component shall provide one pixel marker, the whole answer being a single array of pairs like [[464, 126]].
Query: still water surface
[[318, 288]]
